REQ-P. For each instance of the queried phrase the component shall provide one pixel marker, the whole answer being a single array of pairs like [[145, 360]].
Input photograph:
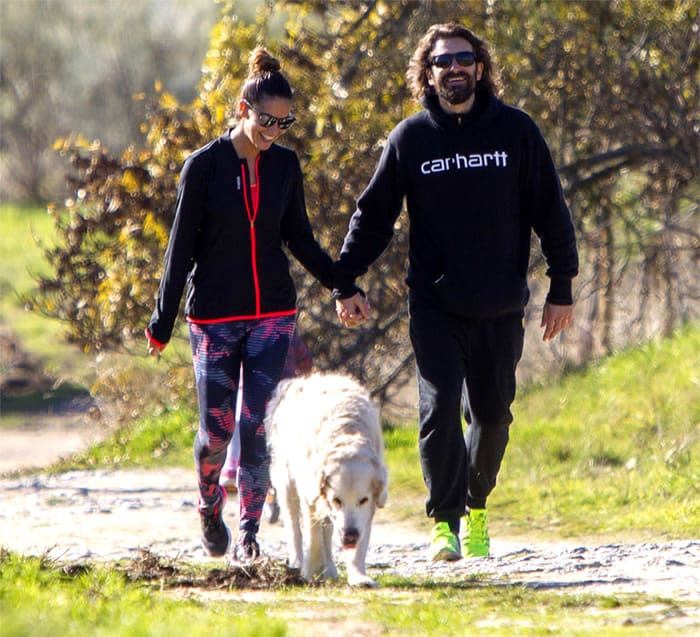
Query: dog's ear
[[320, 502], [322, 482], [380, 487]]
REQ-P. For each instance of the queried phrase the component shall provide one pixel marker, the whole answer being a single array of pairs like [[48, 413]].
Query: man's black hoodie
[[475, 185]]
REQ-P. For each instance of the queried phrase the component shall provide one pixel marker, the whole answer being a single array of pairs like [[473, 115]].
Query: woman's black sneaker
[[246, 549], [216, 538]]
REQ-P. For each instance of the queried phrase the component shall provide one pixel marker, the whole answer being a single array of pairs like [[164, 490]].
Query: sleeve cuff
[[346, 292], [152, 341], [560, 292]]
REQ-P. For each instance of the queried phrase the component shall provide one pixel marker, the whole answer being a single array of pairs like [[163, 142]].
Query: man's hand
[[353, 311], [555, 318]]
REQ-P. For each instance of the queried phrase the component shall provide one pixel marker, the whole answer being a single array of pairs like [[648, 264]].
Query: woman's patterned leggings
[[219, 352]]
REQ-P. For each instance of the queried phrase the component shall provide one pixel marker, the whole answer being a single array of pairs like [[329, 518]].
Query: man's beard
[[456, 94]]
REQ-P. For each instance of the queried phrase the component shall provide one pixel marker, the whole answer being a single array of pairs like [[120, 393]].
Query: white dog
[[327, 466]]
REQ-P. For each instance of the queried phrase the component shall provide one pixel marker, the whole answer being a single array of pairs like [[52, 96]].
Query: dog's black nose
[[350, 537]]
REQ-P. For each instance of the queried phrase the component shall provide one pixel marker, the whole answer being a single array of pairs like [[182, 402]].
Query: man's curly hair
[[420, 62]]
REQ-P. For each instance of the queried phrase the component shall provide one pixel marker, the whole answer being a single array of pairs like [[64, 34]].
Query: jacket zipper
[[251, 208]]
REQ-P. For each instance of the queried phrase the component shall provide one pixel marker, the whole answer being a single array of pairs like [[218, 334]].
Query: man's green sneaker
[[475, 542], [444, 545]]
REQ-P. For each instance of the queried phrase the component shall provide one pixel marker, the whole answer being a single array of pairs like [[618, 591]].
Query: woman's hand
[[154, 347]]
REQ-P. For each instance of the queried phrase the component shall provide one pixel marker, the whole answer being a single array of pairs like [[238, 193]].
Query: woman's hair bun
[[264, 78], [262, 63]]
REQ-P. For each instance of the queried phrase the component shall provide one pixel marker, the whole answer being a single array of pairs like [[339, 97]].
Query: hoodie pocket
[[481, 294]]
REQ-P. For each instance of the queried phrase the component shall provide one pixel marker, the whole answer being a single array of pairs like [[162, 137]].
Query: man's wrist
[[560, 292]]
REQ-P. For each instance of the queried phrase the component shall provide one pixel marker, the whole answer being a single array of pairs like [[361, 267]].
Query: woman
[[240, 199]]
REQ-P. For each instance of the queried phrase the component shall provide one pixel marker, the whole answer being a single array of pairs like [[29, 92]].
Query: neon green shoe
[[444, 545], [475, 542]]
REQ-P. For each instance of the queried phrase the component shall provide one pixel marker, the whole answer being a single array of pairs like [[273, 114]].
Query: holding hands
[[352, 311]]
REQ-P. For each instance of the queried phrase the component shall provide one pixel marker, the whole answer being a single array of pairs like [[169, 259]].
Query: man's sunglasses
[[444, 60], [266, 120]]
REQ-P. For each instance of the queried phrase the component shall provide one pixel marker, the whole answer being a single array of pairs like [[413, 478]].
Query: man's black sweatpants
[[480, 356]]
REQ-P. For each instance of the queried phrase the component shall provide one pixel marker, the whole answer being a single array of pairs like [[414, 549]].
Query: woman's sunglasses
[[444, 60], [266, 120]]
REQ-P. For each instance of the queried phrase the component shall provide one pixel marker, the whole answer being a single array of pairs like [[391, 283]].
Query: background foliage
[[613, 86], [86, 62]]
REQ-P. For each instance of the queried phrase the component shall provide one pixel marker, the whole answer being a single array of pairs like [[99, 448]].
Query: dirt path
[[113, 514], [42, 443]]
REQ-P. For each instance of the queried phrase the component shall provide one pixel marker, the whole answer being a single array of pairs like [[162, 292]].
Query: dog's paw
[[358, 580]]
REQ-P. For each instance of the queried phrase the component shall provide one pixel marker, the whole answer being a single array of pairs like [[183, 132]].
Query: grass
[[24, 233], [39, 597], [152, 441], [610, 449]]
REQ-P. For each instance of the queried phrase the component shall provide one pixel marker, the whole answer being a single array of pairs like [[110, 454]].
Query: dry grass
[[265, 573]]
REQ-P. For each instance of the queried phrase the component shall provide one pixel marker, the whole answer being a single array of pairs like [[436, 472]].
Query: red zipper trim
[[252, 212], [242, 317]]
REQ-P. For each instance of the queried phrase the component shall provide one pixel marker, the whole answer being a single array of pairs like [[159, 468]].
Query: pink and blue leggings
[[220, 351]]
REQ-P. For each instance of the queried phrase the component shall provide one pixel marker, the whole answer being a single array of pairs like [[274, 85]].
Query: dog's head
[[352, 490]]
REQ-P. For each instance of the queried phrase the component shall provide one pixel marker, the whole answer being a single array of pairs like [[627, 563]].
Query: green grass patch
[[151, 442], [25, 233], [429, 608], [41, 597], [610, 449], [401, 446]]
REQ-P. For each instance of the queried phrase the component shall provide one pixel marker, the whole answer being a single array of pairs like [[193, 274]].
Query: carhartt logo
[[499, 159]]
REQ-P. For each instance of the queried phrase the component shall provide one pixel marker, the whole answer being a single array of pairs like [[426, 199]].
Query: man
[[477, 177]]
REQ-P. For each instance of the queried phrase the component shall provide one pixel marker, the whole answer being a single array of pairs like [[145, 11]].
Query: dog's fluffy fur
[[327, 465]]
